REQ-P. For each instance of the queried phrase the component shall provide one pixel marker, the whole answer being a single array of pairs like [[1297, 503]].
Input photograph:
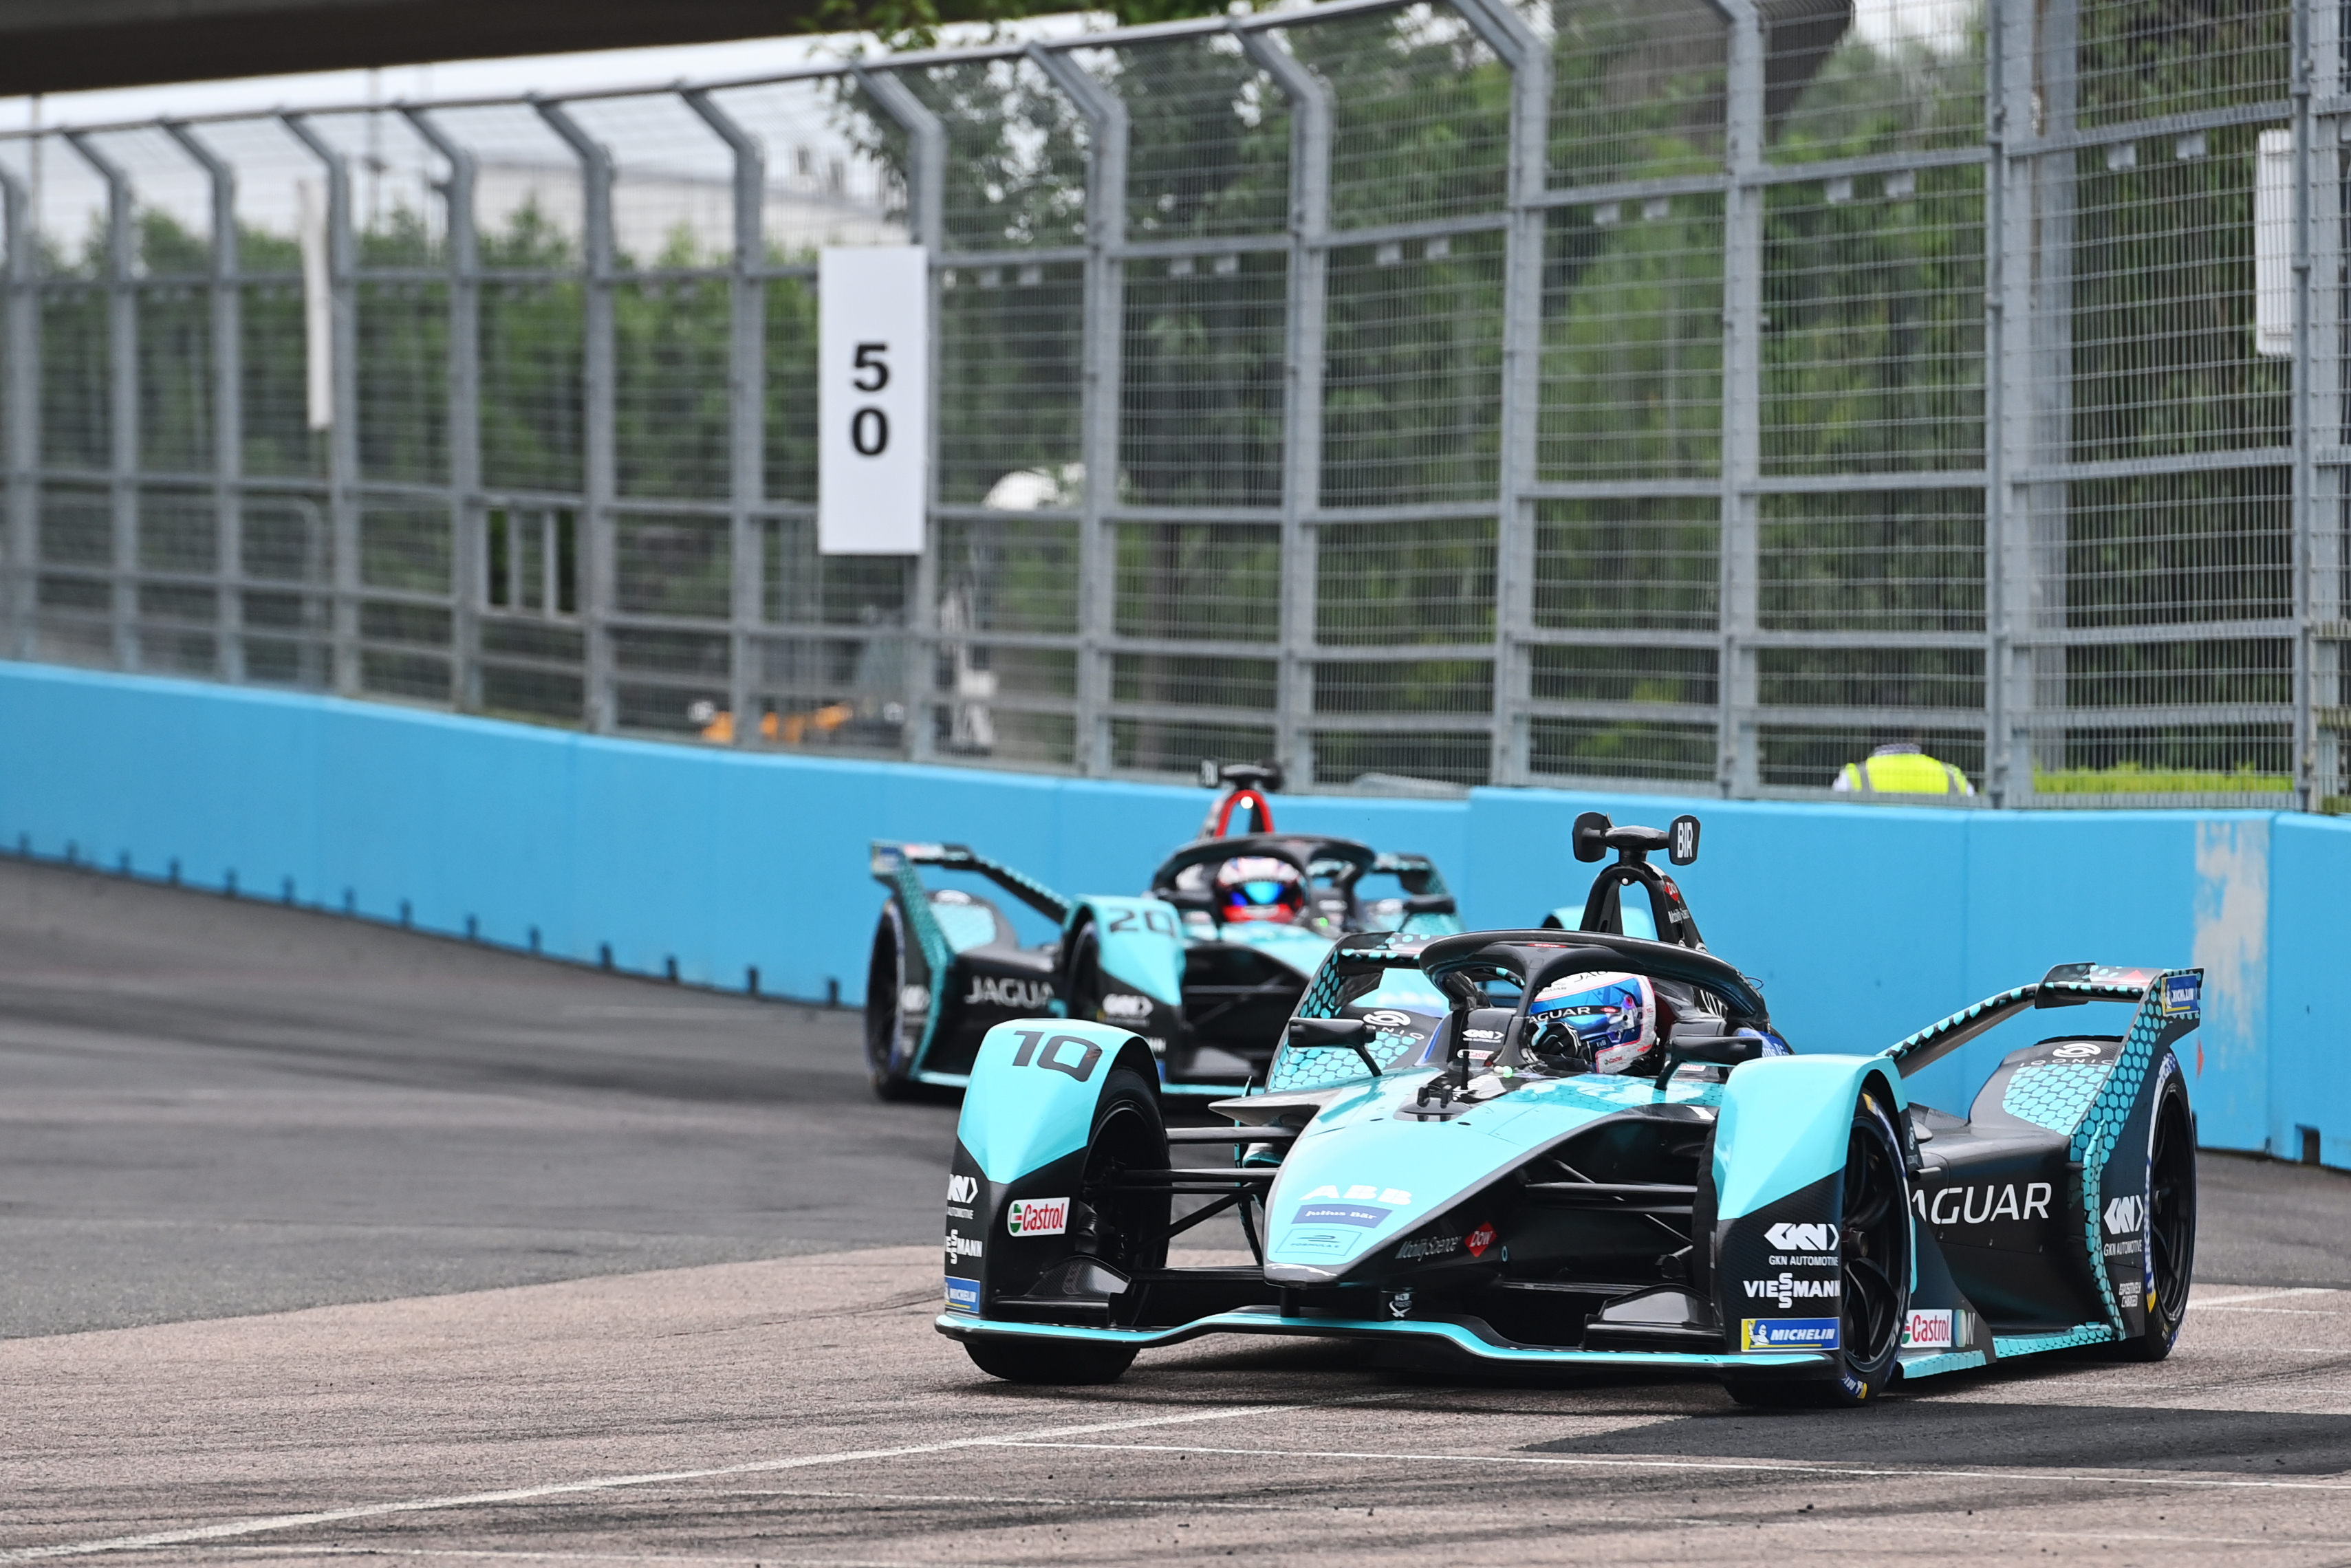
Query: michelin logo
[[1788, 1333], [963, 1295]]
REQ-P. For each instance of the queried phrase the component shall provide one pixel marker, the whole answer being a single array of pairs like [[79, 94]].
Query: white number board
[[873, 400]]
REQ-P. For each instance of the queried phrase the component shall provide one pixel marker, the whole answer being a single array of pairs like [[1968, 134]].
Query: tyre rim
[[2171, 1209], [1870, 1246]]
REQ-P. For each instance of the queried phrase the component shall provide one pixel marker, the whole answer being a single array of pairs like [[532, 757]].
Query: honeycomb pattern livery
[[1320, 1066], [1312, 1067], [2053, 1095], [1321, 997], [2071, 1339], [2101, 1128]]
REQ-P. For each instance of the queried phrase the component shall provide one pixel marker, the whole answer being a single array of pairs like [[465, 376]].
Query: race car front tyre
[[1049, 1361], [887, 1058], [1121, 1224], [1874, 1286], [1125, 1226], [2169, 1227]]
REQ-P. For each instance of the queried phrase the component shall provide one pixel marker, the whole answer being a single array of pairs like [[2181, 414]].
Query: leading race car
[[1604, 1154], [1206, 967]]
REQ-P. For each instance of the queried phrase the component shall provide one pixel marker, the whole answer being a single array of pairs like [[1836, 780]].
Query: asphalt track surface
[[320, 1241]]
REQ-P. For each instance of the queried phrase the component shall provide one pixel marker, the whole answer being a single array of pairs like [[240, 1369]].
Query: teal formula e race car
[[1206, 967], [1792, 1224]]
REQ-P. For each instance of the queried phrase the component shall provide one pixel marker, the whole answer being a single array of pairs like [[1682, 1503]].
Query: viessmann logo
[[1787, 1290], [1038, 1217]]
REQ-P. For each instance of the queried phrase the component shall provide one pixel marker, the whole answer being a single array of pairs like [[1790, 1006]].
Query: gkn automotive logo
[[1787, 1290], [1038, 1217], [1126, 1006], [962, 1189], [1802, 1238], [2125, 1215]]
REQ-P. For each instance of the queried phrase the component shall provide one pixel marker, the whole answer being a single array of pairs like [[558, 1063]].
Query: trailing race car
[[1656, 1179], [1206, 967]]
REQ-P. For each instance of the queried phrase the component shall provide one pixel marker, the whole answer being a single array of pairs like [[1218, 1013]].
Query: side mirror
[[1430, 904], [1703, 1039], [1591, 836], [1684, 847], [1346, 1034]]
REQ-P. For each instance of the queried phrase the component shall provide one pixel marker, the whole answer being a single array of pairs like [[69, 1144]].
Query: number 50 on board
[[873, 366]]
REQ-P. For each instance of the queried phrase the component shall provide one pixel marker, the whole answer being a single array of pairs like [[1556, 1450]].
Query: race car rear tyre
[[887, 1058], [1874, 1286], [2169, 1227], [1049, 1361]]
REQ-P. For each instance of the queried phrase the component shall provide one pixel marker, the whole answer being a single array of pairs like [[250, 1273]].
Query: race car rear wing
[[893, 865], [2175, 994]]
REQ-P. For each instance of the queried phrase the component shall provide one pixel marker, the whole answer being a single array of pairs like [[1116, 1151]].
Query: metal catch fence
[[1684, 394]]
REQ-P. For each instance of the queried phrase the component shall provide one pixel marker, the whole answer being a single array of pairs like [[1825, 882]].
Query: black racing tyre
[[888, 1058], [1125, 1227], [1874, 1286], [1049, 1361], [2168, 1229], [1082, 991]]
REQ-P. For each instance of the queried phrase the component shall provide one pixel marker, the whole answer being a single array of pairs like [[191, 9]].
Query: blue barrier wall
[[1862, 922]]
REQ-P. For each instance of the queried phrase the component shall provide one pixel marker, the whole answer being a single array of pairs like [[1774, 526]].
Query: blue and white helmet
[[1614, 1015]]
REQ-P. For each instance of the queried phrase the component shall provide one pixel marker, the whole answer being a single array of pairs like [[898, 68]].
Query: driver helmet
[[1608, 1019], [1260, 887]]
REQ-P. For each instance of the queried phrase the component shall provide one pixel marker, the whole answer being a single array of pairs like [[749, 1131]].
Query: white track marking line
[[2265, 1296], [1790, 1466], [229, 1529], [1064, 1501]]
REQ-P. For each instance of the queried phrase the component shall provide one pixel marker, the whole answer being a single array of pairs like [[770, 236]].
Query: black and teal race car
[[1793, 1224], [1205, 966]]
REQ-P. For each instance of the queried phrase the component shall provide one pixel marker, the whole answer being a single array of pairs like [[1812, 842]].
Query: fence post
[[1301, 478], [342, 429], [228, 413], [1522, 352], [2304, 476], [746, 368], [20, 408], [2008, 404], [2321, 602], [2045, 423], [1736, 762], [597, 370], [1101, 398], [926, 219], [123, 404], [468, 554]]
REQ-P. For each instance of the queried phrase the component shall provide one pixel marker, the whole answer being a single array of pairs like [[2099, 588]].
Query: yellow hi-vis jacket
[[1904, 773]]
